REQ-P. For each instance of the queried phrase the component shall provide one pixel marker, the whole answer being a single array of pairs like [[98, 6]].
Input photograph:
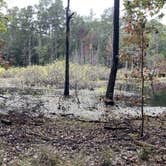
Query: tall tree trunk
[[91, 56], [56, 45], [111, 84], [50, 41], [142, 84], [52, 45], [40, 39], [29, 51], [68, 18], [98, 52], [25, 61], [66, 90], [81, 51]]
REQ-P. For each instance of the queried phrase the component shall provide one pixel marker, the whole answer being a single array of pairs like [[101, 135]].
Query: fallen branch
[[42, 137], [153, 147], [115, 128], [81, 120], [90, 121], [3, 97]]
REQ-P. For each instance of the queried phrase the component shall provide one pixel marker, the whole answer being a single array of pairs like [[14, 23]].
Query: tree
[[26, 26], [3, 17], [56, 21], [13, 47], [20, 37], [3, 20], [157, 39], [50, 28], [68, 18], [77, 36], [35, 34], [137, 12], [111, 84], [106, 32]]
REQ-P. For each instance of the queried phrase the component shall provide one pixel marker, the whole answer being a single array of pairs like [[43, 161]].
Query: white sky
[[80, 6]]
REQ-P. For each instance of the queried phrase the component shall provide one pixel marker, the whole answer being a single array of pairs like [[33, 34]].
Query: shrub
[[85, 76]]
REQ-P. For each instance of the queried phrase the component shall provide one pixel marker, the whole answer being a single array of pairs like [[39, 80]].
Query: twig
[[71, 15], [90, 121], [115, 128], [40, 136], [76, 94], [144, 144], [3, 97], [6, 122]]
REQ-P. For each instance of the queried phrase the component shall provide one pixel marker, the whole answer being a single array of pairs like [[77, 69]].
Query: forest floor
[[34, 140], [38, 127]]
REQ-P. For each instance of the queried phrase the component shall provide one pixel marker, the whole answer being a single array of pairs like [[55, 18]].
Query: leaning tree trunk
[[68, 18], [111, 84]]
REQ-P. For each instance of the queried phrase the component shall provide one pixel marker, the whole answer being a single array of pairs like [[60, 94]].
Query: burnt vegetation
[[82, 91]]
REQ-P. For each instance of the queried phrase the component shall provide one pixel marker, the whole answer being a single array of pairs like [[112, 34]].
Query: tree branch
[[71, 15]]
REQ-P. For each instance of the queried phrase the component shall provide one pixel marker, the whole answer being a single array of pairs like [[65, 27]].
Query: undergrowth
[[52, 75], [84, 76]]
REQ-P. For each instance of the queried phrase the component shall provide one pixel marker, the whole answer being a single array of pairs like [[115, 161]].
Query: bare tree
[[111, 84], [68, 18]]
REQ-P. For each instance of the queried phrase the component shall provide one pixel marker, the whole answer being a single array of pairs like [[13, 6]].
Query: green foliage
[[35, 34], [157, 40], [3, 17], [3, 21], [142, 7]]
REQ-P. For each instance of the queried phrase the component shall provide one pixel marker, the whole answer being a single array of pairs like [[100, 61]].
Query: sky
[[80, 6]]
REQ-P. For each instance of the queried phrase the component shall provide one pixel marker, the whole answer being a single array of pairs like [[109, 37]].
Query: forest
[[80, 90]]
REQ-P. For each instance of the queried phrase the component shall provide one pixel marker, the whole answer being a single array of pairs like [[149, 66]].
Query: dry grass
[[85, 76]]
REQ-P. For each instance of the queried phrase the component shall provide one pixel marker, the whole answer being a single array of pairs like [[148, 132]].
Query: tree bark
[[66, 90], [142, 85], [68, 18], [81, 53], [111, 84], [29, 51]]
